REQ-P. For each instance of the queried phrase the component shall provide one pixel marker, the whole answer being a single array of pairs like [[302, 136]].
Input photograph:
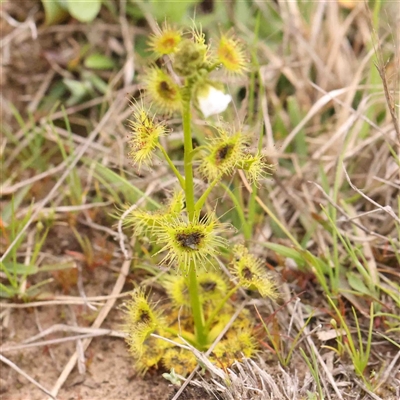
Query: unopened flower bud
[[189, 57]]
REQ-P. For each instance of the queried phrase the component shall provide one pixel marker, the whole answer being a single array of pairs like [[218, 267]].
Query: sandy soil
[[110, 372]]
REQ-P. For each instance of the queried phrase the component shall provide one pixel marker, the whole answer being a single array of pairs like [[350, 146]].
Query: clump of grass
[[358, 352]]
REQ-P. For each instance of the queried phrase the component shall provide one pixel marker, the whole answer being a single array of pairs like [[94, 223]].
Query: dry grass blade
[[366, 390], [381, 67], [12, 189], [386, 209], [95, 333], [64, 300], [314, 348], [346, 218], [203, 357], [73, 163], [25, 375], [96, 324], [388, 371], [75, 329], [328, 97], [318, 100]]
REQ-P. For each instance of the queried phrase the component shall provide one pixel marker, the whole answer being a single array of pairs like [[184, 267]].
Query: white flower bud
[[213, 101]]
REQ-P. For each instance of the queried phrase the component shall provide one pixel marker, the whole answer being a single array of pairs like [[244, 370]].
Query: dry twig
[[25, 375]]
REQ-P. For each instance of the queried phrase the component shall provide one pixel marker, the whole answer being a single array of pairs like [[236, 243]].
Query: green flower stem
[[197, 309], [200, 202], [245, 226], [219, 306], [172, 166], [187, 141]]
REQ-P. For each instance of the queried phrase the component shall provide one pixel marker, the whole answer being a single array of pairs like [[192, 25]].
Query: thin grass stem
[[245, 226]]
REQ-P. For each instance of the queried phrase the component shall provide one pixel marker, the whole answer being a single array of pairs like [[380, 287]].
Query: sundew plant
[[190, 235]]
